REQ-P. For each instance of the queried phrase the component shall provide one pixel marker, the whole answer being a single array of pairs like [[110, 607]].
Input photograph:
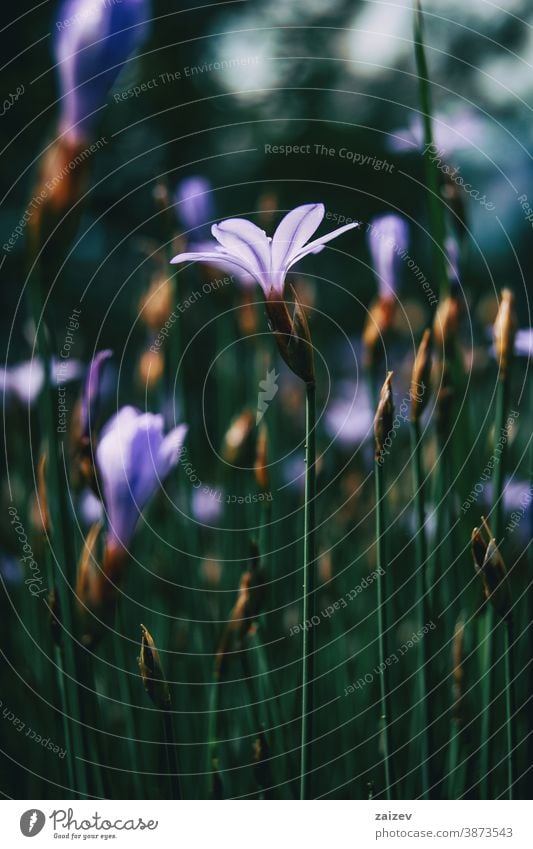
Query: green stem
[[510, 719], [489, 629], [309, 599], [382, 628], [436, 212], [172, 758], [212, 737], [421, 565], [61, 539]]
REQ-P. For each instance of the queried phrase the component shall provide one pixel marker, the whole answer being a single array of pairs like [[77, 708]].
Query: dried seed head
[[384, 415], [261, 459], [504, 331], [458, 670], [445, 400], [62, 181], [262, 772], [292, 335], [420, 377], [446, 323], [156, 305], [98, 584], [237, 439], [244, 613], [152, 672], [151, 367], [491, 568], [378, 322]]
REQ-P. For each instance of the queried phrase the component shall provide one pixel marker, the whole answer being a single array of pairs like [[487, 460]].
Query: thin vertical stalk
[[488, 631], [309, 599], [59, 533], [172, 758], [421, 585], [381, 562], [510, 719], [436, 212]]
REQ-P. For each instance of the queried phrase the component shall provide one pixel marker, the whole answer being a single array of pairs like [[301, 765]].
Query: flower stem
[[172, 759], [60, 539], [421, 564], [510, 720], [382, 628], [309, 600]]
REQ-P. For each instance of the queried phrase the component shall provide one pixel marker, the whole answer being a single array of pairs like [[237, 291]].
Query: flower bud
[[489, 565], [150, 369], [156, 304], [384, 415], [236, 442], [245, 611], [446, 323], [292, 335], [152, 672], [378, 322], [504, 332], [420, 377], [261, 459]]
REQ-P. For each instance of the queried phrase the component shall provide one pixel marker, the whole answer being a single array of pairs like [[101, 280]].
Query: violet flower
[[194, 205], [523, 342], [94, 40], [243, 245], [133, 458], [388, 239], [91, 397], [23, 382]]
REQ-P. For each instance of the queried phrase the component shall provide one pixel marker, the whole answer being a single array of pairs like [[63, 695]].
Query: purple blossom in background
[[90, 508], [23, 383], [388, 239], [133, 457], [523, 343], [94, 39], [243, 245], [460, 131], [194, 206], [91, 396], [350, 415]]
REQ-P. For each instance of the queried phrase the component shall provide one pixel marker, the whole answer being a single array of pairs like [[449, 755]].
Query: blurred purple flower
[[23, 382], [459, 131], [91, 396], [90, 508], [133, 458], [207, 504], [243, 245], [194, 202], [350, 416], [93, 41], [523, 343], [388, 238]]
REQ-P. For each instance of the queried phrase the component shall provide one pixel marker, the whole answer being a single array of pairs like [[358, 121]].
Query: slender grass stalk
[[59, 538], [381, 562], [172, 758], [309, 596], [510, 719], [488, 631], [436, 211], [212, 737], [421, 587]]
